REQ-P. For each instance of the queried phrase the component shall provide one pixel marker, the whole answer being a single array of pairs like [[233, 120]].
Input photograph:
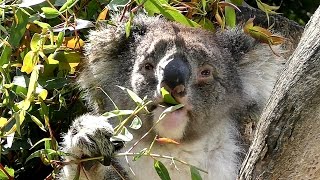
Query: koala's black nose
[[176, 73]]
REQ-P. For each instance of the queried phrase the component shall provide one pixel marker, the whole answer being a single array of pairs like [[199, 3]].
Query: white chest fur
[[212, 153]]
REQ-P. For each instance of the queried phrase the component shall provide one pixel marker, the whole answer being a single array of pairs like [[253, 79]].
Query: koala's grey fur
[[243, 74]]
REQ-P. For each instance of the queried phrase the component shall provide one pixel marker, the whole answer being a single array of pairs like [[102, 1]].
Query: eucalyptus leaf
[[195, 175], [161, 170], [136, 123]]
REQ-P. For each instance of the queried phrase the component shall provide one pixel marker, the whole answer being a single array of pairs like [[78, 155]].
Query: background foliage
[[41, 45]]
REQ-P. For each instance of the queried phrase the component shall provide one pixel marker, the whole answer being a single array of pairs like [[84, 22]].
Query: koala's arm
[[89, 136]]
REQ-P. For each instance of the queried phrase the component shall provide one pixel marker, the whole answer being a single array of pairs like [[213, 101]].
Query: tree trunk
[[287, 138]]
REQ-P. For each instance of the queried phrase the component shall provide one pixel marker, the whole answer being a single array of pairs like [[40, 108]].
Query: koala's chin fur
[[220, 78]]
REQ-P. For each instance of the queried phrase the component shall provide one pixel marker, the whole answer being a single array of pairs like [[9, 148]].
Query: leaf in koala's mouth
[[167, 98]]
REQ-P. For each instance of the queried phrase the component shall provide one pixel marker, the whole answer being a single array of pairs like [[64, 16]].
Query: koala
[[220, 77]]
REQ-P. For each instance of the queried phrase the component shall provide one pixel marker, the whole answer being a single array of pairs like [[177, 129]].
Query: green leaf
[[161, 170], [128, 25], [41, 152], [68, 5], [116, 113], [49, 12], [42, 140], [164, 8], [38, 122], [32, 83], [170, 109], [29, 62], [195, 175], [19, 116], [206, 24], [10, 171], [133, 95], [125, 135], [141, 153], [136, 123], [60, 39], [167, 98], [17, 31], [67, 60], [35, 43], [230, 15], [43, 25]]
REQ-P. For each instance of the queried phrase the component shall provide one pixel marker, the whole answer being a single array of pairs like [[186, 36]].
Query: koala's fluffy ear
[[108, 54], [258, 66]]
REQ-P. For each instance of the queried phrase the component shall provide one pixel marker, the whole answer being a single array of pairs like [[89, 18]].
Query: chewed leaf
[[195, 175], [161, 170], [167, 98], [166, 141]]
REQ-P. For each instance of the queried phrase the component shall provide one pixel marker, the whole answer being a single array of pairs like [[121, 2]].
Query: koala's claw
[[89, 136]]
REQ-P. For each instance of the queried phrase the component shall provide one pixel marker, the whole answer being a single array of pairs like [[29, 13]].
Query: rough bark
[[287, 138]]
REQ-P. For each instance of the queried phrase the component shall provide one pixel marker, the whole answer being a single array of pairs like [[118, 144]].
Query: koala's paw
[[89, 136]]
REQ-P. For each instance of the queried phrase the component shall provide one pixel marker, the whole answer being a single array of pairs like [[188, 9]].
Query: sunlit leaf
[[70, 42], [3, 121], [195, 175], [10, 171], [167, 98], [43, 94], [29, 62], [68, 5], [49, 12], [103, 14], [24, 105], [161, 170], [35, 43], [67, 60], [33, 83]]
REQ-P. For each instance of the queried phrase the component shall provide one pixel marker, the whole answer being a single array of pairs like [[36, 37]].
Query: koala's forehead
[[173, 38]]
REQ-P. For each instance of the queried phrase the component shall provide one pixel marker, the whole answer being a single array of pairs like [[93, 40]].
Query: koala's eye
[[205, 73], [148, 67]]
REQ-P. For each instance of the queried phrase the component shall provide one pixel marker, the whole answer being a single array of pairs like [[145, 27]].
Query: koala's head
[[201, 69]]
